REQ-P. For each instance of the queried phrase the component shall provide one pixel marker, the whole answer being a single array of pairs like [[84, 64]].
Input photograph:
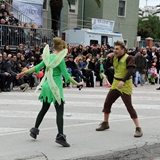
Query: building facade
[[123, 12]]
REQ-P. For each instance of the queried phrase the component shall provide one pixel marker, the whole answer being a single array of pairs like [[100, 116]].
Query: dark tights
[[59, 117]]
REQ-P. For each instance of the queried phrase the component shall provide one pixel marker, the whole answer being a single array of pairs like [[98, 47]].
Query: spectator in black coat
[[14, 69], [1, 16], [22, 61], [5, 77], [13, 19], [74, 69], [82, 65], [92, 66], [109, 71], [7, 49], [152, 54], [94, 50], [3, 9], [4, 32], [75, 52], [43, 46]]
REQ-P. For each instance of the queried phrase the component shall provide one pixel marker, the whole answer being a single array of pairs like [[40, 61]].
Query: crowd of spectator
[[85, 63], [15, 32], [147, 63], [146, 60], [11, 64]]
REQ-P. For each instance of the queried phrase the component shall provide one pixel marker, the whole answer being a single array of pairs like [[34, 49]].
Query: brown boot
[[103, 126], [138, 132]]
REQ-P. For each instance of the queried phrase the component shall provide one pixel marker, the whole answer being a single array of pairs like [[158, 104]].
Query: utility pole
[[146, 2]]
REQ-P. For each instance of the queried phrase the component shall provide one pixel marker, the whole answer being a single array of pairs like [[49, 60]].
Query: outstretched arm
[[66, 74], [22, 74], [33, 69], [75, 82]]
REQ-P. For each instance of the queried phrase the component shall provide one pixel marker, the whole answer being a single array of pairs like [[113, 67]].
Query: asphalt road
[[18, 111]]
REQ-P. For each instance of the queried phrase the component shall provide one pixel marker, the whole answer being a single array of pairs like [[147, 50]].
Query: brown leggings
[[112, 96]]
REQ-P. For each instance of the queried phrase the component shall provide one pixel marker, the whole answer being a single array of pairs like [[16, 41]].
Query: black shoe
[[158, 88], [34, 132], [135, 85], [4, 90], [61, 139], [8, 89]]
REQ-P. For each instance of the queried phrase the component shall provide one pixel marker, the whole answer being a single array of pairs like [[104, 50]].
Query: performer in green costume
[[121, 87], [52, 87]]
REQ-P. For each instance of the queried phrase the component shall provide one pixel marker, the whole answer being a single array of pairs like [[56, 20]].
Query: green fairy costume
[[51, 83]]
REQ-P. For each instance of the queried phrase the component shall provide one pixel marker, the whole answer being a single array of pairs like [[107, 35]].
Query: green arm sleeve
[[62, 66], [35, 68], [39, 66], [66, 74], [30, 70], [73, 81]]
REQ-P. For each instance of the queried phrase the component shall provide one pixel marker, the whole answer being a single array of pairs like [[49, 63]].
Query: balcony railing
[[18, 14]]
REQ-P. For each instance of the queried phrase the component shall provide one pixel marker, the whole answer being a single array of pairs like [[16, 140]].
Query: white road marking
[[52, 115], [67, 126], [81, 104], [97, 94]]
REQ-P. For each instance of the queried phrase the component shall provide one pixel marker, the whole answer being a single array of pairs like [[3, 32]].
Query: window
[[122, 8], [93, 42], [73, 6], [126, 42], [45, 4]]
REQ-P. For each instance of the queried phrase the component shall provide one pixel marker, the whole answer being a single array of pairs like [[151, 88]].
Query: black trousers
[[89, 75], [59, 115], [110, 74], [5, 81], [2, 81]]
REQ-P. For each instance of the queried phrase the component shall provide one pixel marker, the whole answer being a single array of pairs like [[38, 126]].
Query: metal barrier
[[14, 35]]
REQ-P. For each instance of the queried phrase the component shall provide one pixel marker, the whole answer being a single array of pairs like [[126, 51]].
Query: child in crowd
[[102, 75], [152, 74]]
